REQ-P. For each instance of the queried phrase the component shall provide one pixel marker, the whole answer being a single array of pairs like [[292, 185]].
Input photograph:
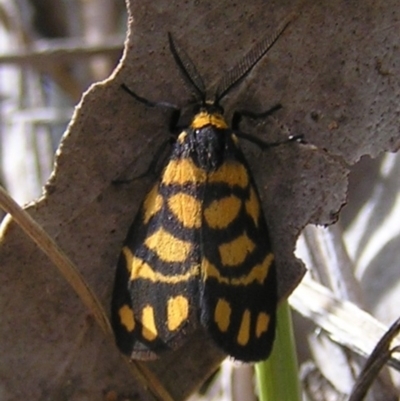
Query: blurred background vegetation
[[50, 53]]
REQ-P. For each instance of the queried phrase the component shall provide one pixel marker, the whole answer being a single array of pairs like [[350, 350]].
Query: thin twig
[[57, 50]]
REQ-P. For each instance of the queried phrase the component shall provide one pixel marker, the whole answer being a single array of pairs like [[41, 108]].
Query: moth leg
[[147, 102], [263, 145], [237, 119], [176, 111], [152, 169], [239, 114], [174, 130]]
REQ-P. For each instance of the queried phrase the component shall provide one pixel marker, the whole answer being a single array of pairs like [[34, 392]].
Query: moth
[[199, 250]]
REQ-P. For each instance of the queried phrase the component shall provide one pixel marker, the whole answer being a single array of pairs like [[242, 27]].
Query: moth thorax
[[209, 147]]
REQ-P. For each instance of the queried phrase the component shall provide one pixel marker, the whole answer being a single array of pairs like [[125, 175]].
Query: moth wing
[[238, 277], [155, 297]]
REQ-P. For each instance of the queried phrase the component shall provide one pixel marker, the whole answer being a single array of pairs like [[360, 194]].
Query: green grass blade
[[277, 377]]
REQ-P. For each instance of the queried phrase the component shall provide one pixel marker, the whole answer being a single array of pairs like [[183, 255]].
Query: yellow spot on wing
[[203, 119], [230, 173], [244, 330], [152, 204], [126, 317], [257, 274], [149, 331], [181, 172], [262, 324], [253, 206], [141, 270], [222, 314], [221, 212], [177, 311], [235, 252], [186, 208], [167, 247]]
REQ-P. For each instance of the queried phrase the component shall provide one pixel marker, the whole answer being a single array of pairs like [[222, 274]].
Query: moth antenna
[[188, 70], [235, 75]]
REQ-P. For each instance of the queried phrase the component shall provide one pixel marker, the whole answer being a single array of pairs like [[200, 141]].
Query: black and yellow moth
[[199, 251]]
